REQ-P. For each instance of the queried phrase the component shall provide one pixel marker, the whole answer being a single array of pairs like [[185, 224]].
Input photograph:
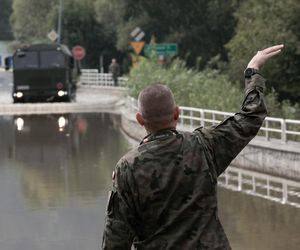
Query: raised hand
[[263, 56]]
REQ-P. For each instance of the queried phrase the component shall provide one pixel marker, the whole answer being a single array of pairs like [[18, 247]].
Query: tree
[[5, 12], [80, 26], [200, 27], [31, 20], [262, 23]]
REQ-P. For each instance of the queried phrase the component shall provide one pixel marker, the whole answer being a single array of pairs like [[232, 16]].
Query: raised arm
[[229, 137]]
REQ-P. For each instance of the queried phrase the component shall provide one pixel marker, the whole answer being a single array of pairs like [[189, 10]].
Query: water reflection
[[64, 156], [55, 173], [56, 170], [253, 223]]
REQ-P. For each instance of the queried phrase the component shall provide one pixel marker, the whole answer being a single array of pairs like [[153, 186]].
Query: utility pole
[[60, 10]]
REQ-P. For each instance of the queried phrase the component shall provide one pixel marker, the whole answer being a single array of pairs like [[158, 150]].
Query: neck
[[155, 130]]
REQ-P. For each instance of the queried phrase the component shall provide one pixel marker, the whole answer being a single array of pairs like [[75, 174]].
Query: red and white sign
[[78, 52]]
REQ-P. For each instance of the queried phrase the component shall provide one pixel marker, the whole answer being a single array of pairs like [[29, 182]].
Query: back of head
[[157, 104]]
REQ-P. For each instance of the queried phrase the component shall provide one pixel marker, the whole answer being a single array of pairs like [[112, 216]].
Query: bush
[[207, 89]]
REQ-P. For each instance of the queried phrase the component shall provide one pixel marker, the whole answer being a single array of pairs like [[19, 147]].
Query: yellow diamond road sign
[[137, 47]]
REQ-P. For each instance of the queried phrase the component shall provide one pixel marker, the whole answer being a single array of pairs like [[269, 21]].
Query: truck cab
[[44, 72]]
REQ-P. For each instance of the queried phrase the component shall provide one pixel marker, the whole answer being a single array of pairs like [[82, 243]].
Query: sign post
[[137, 44]]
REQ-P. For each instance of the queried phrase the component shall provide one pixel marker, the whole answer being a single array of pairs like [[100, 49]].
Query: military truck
[[44, 72]]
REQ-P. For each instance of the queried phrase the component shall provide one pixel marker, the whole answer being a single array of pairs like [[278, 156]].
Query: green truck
[[44, 72]]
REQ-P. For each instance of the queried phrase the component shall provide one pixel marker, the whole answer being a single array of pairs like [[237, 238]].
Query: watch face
[[248, 72]]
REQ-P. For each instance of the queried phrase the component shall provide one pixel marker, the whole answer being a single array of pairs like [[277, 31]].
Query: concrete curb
[[3, 70], [89, 100], [57, 108]]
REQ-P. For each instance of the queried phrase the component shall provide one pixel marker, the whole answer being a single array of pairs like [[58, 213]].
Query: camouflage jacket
[[164, 191]]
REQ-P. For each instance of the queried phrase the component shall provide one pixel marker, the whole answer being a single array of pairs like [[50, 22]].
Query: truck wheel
[[67, 99], [17, 100]]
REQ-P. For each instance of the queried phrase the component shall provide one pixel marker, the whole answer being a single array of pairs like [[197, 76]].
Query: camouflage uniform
[[164, 191]]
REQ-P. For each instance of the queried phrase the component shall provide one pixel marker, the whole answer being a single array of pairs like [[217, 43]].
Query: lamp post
[[60, 10]]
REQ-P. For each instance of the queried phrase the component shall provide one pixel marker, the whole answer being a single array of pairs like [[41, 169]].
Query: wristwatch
[[250, 72]]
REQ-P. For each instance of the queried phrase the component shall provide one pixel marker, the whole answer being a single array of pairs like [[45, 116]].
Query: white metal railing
[[273, 128], [93, 77], [262, 185]]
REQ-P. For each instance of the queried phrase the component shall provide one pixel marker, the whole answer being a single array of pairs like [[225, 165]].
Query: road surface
[[5, 87]]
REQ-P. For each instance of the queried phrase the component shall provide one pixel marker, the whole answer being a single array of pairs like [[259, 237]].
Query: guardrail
[[93, 77], [261, 185], [273, 128]]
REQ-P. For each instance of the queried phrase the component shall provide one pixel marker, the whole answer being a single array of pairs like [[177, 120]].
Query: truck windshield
[[52, 59], [28, 59]]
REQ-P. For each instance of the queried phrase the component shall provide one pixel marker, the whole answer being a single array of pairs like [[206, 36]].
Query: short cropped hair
[[156, 103]]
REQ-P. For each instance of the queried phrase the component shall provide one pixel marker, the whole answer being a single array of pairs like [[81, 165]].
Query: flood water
[[55, 173]]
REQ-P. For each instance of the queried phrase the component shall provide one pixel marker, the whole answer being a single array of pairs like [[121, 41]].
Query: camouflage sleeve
[[229, 137], [118, 232]]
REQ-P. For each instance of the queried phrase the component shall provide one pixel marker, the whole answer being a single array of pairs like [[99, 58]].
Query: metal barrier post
[[267, 130], [253, 184], [202, 117], [213, 118], [240, 181], [268, 187], [226, 177], [283, 131], [284, 193]]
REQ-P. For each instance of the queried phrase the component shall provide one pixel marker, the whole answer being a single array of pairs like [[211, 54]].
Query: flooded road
[[55, 174], [54, 178]]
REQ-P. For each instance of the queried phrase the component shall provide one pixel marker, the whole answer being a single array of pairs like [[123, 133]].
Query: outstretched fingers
[[271, 54], [264, 55], [274, 49]]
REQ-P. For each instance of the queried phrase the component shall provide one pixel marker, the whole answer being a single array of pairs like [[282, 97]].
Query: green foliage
[[200, 28], [206, 89], [262, 23], [284, 109], [80, 27], [5, 12], [31, 20]]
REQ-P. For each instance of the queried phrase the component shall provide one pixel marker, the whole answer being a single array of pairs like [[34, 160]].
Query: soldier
[[114, 69], [165, 190]]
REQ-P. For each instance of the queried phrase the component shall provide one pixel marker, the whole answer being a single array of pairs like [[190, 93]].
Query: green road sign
[[166, 49]]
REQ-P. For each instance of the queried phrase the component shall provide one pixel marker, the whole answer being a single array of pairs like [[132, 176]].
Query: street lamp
[[60, 10]]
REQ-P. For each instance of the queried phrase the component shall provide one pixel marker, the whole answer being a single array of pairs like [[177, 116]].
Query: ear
[[176, 113], [140, 119]]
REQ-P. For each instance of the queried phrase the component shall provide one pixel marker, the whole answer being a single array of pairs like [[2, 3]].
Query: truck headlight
[[18, 94]]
